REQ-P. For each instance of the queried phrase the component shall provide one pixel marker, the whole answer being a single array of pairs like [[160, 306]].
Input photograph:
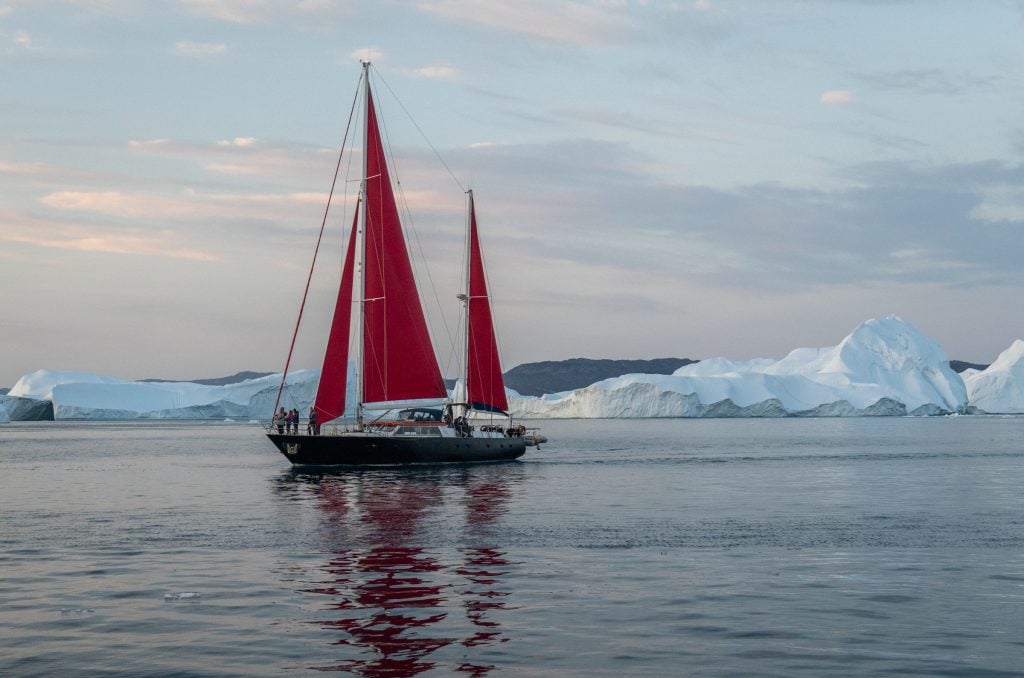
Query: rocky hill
[[555, 376], [959, 366], [216, 381]]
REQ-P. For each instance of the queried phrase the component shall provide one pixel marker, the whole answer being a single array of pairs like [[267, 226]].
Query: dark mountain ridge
[[959, 366], [554, 376], [217, 381]]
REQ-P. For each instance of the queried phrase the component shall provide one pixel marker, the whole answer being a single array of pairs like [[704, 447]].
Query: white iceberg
[[1000, 388], [84, 395], [884, 367]]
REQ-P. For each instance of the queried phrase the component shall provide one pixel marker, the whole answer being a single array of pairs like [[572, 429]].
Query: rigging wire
[[413, 121], [316, 250], [408, 221]]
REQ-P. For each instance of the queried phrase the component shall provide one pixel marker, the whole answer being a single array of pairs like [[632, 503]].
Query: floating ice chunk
[[184, 595]]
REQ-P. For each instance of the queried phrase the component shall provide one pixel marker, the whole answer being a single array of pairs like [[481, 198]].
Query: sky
[[652, 179]]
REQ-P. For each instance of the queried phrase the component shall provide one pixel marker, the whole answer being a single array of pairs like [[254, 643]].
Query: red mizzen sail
[[330, 394], [485, 386], [398, 358]]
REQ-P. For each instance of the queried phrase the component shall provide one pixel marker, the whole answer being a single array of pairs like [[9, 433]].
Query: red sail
[[398, 358], [484, 384], [330, 394]]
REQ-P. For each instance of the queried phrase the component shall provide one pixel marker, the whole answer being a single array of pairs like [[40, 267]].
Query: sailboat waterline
[[379, 322]]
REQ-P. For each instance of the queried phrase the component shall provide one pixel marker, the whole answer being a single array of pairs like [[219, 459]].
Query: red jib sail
[[398, 358], [485, 386], [330, 394]]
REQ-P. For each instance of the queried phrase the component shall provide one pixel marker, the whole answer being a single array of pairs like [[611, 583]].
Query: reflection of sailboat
[[394, 602], [389, 607], [396, 365]]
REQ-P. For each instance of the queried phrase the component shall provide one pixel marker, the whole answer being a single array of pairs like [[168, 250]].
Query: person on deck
[[280, 419], [311, 427]]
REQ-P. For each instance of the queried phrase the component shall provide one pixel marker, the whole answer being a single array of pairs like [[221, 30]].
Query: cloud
[[313, 12], [837, 97], [119, 244], [646, 124], [892, 224], [189, 205], [86, 238], [35, 174], [121, 204], [1001, 203], [21, 42], [559, 21], [26, 169], [234, 11], [199, 49], [371, 54], [242, 156], [239, 142], [148, 143], [925, 81], [233, 169], [438, 72]]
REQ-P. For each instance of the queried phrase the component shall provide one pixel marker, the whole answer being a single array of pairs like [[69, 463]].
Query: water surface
[[663, 547]]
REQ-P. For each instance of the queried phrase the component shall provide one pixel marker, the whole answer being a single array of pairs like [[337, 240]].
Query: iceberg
[[884, 367], [13, 408], [999, 389], [84, 395]]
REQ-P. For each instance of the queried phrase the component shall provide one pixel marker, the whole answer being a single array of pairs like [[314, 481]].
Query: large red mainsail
[[398, 358], [485, 386], [330, 394]]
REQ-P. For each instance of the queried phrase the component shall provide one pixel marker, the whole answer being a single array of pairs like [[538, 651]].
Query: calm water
[[668, 547]]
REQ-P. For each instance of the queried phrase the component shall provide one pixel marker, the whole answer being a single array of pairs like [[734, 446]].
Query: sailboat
[[403, 413]]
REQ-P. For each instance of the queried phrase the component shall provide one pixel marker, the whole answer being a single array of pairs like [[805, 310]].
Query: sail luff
[[330, 393], [398, 360], [485, 386]]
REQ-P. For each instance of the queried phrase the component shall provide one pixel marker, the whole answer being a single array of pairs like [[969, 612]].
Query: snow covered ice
[[83, 395], [884, 367], [1000, 388]]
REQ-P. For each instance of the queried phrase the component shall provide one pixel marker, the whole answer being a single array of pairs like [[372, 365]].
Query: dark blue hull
[[353, 450]]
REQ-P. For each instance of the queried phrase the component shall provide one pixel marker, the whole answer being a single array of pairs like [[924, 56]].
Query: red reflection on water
[[394, 599], [389, 608], [483, 568]]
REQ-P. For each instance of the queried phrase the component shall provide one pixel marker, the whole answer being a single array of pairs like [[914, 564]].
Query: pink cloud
[[837, 97]]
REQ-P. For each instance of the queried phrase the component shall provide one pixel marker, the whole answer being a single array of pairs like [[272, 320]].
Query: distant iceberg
[[84, 395], [24, 409], [883, 368], [1000, 388]]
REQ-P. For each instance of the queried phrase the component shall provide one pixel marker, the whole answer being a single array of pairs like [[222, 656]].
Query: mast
[[464, 298], [362, 248], [399, 363]]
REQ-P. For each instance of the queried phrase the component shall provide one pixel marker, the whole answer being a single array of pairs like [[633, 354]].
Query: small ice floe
[[184, 595], [74, 612]]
